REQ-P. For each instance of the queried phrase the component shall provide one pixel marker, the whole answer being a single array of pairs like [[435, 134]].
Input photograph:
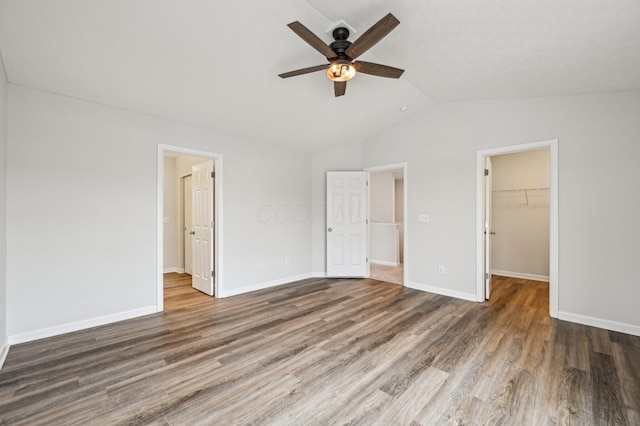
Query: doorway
[[486, 233], [171, 219], [187, 213], [387, 223]]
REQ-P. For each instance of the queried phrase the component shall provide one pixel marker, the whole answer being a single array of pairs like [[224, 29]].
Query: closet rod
[[519, 189]]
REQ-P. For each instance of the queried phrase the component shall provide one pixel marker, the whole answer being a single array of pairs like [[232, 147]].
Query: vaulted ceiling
[[216, 63]]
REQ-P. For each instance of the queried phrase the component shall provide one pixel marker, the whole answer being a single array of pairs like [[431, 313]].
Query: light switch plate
[[423, 217]]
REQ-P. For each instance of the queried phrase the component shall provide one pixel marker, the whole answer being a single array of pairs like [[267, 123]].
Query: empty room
[[319, 212]]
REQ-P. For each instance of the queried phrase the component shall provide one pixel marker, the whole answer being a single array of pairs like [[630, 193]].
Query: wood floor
[[324, 352]]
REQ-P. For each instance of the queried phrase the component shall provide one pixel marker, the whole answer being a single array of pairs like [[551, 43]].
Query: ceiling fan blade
[[339, 87], [373, 35], [312, 39], [377, 69], [304, 71]]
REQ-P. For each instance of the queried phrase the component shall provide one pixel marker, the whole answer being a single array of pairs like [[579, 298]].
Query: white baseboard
[[262, 286], [176, 270], [383, 262], [318, 275], [519, 275], [80, 325], [3, 354], [443, 291], [600, 323]]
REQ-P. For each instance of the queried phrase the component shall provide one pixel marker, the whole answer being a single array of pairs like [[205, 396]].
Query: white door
[[188, 227], [347, 224], [202, 198], [487, 227]]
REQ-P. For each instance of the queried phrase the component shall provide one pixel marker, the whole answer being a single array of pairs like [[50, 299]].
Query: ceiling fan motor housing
[[340, 45]]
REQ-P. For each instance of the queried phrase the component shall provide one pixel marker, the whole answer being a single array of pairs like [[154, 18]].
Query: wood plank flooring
[[325, 352]]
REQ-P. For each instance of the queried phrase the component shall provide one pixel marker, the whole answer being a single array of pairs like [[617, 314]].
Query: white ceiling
[[215, 63]]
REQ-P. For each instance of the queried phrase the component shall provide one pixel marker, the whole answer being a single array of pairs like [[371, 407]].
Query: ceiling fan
[[341, 53]]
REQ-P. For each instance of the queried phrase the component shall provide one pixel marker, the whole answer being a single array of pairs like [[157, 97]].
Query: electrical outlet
[[423, 217], [441, 269], [263, 264]]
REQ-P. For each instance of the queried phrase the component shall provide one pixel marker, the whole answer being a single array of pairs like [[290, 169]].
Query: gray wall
[[3, 208], [82, 180], [382, 197], [170, 210], [399, 200], [599, 195]]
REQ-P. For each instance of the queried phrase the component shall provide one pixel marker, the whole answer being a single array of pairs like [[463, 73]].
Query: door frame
[[183, 211], [218, 217], [405, 247], [554, 284], [487, 225]]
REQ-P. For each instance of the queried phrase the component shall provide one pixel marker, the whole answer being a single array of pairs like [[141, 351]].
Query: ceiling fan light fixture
[[341, 70], [342, 53]]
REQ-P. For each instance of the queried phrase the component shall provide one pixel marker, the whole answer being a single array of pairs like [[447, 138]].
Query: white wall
[[599, 195], [82, 180], [170, 201], [3, 211], [519, 218], [381, 197]]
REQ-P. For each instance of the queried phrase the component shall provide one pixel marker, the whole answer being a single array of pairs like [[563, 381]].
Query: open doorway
[[197, 249], [387, 224], [520, 215], [517, 199]]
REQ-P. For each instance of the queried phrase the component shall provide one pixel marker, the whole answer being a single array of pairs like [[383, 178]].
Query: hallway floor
[[390, 274]]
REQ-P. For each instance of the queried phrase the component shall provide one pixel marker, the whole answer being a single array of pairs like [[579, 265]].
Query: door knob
[[193, 232], [329, 229], [492, 233]]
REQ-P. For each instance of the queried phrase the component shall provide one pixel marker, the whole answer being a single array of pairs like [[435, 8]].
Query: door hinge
[[486, 275], [367, 183], [486, 172], [213, 274], [213, 175], [367, 221], [367, 260]]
